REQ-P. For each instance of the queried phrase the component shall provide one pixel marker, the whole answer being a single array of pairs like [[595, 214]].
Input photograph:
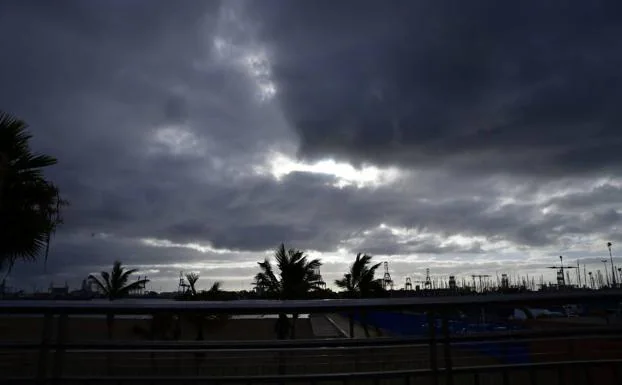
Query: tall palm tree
[[297, 277], [360, 282], [114, 285], [30, 205], [192, 279]]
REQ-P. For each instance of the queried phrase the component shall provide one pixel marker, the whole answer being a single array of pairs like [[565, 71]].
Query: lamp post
[[613, 269]]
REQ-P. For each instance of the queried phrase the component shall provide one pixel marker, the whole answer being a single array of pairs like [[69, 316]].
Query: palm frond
[[29, 204], [297, 274], [106, 277], [126, 290], [125, 274], [100, 285], [192, 279]]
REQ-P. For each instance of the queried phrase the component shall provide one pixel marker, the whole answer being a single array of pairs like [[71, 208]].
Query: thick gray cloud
[[164, 116], [519, 87]]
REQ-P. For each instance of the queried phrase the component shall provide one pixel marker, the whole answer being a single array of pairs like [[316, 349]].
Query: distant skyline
[[468, 138]]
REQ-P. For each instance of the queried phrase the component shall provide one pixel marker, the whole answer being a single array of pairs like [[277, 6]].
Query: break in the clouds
[[464, 137]]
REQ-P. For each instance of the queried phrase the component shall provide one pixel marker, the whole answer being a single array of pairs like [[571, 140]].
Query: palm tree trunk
[[6, 275], [110, 329], [365, 328], [4, 165], [110, 325], [199, 356], [293, 331]]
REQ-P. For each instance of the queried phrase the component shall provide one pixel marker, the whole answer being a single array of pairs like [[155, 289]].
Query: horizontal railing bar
[[331, 376], [296, 306], [379, 342]]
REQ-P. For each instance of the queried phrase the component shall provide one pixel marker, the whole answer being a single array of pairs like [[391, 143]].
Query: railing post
[[61, 335], [447, 349], [533, 375], [506, 376], [432, 338], [616, 373], [561, 375], [45, 346], [407, 379]]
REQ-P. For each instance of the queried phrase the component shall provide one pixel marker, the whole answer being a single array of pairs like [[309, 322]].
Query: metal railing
[[581, 355]]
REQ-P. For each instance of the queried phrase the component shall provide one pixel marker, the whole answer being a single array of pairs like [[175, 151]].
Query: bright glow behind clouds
[[279, 165]]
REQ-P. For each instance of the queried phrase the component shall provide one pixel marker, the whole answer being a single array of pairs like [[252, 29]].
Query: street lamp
[[613, 269]]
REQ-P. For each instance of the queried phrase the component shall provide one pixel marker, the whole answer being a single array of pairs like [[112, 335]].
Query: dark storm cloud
[[158, 135], [602, 195], [522, 87]]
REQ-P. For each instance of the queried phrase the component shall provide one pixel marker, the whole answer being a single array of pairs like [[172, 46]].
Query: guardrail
[[436, 357]]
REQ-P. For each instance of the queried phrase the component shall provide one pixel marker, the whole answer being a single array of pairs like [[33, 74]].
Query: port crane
[[561, 279], [481, 283]]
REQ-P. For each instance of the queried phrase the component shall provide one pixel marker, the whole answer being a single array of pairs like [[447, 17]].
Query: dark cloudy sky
[[469, 137]]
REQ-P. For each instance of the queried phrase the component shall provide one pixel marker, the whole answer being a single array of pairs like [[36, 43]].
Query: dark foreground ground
[[265, 362]]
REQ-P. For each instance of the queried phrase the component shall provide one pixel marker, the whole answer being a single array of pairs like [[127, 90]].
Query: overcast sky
[[468, 137]]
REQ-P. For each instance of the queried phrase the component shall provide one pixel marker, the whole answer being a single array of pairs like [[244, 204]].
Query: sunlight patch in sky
[[175, 140], [233, 45], [462, 240], [258, 67], [193, 246], [280, 165]]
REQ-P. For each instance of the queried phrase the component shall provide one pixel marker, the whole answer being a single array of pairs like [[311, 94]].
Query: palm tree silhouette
[[114, 285], [200, 320], [297, 277], [360, 282], [30, 205], [192, 279]]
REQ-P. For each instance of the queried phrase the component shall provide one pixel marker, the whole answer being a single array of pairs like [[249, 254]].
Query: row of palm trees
[[298, 276], [294, 276]]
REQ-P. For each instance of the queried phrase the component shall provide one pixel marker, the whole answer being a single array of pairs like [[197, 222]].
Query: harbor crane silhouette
[[561, 279]]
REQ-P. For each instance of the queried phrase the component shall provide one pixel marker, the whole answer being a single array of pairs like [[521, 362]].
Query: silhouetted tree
[[297, 277], [30, 205], [192, 279], [114, 285], [201, 320], [360, 282]]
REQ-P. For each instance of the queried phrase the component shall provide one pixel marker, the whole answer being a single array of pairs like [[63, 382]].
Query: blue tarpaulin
[[413, 324]]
